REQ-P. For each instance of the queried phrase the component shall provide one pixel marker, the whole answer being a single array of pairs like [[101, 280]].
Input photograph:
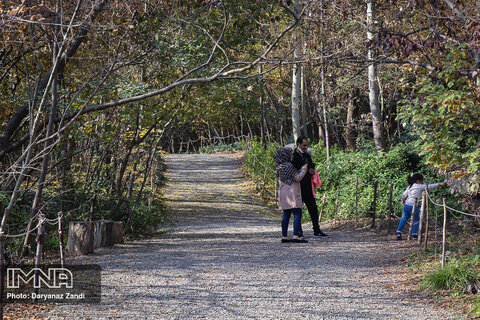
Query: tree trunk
[[261, 101], [296, 79], [350, 132], [321, 131], [302, 102], [377, 121], [323, 93], [302, 72], [338, 135]]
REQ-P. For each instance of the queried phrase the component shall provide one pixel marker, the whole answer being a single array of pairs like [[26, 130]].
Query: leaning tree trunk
[[46, 156], [375, 109]]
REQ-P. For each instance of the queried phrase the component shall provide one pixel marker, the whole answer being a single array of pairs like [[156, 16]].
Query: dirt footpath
[[223, 259]]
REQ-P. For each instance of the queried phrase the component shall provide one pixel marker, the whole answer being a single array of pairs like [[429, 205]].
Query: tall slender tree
[[296, 80], [377, 119]]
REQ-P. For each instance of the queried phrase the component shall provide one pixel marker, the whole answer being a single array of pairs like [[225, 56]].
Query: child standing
[[413, 191], [289, 195]]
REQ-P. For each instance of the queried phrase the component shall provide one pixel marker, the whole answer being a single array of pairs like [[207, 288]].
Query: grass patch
[[462, 268], [475, 306], [454, 276]]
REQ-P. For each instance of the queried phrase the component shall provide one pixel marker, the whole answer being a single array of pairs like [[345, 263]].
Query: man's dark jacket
[[298, 161]]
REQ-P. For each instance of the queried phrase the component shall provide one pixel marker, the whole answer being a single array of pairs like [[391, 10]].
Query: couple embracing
[[295, 170]]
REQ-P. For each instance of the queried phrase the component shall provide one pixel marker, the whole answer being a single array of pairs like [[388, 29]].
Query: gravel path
[[223, 259]]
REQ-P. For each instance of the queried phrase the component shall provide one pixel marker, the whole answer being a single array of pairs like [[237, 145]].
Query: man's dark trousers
[[309, 200]]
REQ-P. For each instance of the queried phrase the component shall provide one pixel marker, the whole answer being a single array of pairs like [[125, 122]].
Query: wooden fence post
[[60, 238], [335, 211], [412, 216], [40, 241], [254, 174], [444, 236], [420, 226], [390, 209], [356, 204], [427, 217], [321, 210], [374, 209]]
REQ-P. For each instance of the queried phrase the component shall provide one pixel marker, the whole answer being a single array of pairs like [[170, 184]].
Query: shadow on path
[[223, 259]]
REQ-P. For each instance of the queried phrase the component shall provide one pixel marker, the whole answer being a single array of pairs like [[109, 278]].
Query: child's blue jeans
[[407, 212], [297, 221]]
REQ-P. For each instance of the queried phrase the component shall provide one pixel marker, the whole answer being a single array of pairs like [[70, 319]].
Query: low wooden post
[[444, 236], [60, 238], [374, 206], [412, 216], [356, 204], [390, 209], [117, 232], [427, 217], [80, 237], [335, 211], [321, 210], [102, 233], [420, 226]]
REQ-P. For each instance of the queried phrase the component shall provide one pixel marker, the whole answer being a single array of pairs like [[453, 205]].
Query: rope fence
[[52, 222], [40, 239], [20, 234], [452, 209], [446, 208]]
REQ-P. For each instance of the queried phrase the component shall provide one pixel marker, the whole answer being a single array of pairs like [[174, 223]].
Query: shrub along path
[[223, 259]]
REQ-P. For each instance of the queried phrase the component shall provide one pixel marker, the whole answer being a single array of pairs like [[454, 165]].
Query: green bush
[[368, 166], [342, 171], [76, 204], [145, 220], [260, 164], [222, 147]]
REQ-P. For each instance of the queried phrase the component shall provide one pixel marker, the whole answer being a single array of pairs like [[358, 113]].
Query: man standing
[[300, 157]]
